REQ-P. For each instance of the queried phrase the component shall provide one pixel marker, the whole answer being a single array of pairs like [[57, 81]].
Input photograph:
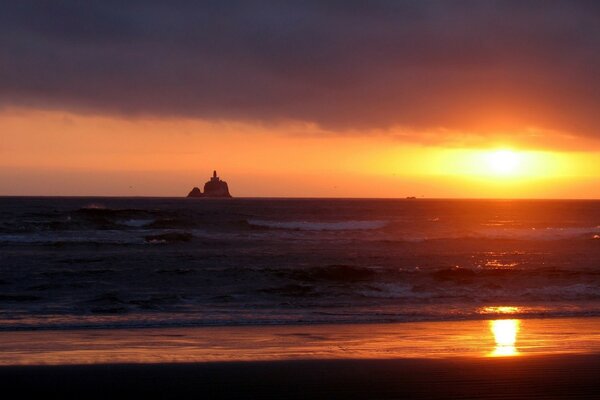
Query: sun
[[503, 162], [498, 165]]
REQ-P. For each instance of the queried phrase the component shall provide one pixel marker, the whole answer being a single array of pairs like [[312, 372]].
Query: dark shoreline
[[540, 376]]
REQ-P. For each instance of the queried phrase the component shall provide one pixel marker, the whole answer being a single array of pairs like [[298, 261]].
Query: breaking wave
[[319, 226], [137, 223], [71, 237], [549, 233], [158, 262]]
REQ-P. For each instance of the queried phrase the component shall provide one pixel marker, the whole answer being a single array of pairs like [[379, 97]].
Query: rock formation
[[213, 188], [195, 193]]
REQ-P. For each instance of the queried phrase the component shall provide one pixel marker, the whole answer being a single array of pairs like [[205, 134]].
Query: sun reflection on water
[[505, 334], [499, 310]]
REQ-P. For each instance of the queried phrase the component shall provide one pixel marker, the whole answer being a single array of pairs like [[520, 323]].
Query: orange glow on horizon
[[59, 153], [506, 165]]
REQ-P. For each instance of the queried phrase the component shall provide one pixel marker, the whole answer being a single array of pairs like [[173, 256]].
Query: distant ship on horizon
[[214, 188]]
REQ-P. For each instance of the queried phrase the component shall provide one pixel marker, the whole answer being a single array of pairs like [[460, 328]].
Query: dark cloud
[[465, 65]]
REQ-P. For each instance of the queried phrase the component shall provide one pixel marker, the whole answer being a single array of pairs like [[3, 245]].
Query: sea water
[[70, 263]]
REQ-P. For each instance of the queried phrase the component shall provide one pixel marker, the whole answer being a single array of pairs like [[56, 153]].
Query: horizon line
[[408, 198]]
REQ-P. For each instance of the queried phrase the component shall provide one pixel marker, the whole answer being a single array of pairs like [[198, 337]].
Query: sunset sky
[[303, 99]]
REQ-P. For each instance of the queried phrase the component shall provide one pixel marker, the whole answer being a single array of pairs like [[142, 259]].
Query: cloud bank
[[475, 66]]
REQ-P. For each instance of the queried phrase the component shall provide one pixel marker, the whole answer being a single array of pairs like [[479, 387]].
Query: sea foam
[[320, 226]]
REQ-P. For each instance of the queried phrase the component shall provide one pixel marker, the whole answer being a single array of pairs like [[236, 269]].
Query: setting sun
[[503, 161], [503, 172]]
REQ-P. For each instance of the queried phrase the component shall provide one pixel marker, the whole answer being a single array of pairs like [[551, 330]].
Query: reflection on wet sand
[[475, 339], [505, 334]]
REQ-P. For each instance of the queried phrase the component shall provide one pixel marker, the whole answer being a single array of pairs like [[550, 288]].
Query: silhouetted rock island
[[213, 188]]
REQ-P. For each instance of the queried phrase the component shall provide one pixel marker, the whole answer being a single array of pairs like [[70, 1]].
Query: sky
[[301, 99]]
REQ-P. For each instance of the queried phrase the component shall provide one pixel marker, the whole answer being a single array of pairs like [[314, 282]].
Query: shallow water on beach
[[424, 340], [141, 262]]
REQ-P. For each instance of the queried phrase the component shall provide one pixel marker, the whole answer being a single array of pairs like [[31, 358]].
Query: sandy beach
[[548, 358], [547, 377]]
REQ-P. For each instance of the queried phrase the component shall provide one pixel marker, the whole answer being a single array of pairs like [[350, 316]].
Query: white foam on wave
[[574, 291], [94, 206], [392, 291], [479, 293], [136, 223], [320, 226], [550, 233]]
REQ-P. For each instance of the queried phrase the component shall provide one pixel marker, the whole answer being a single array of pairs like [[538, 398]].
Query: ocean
[[73, 263]]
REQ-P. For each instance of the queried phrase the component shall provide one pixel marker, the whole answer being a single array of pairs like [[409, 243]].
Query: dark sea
[[70, 263]]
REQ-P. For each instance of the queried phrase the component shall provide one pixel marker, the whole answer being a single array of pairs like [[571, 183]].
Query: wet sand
[[478, 338], [542, 358]]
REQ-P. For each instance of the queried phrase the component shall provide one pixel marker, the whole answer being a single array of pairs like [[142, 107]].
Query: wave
[[330, 273], [519, 234], [122, 213], [71, 237], [481, 293], [114, 317], [169, 237], [549, 233], [137, 223], [415, 285], [320, 226]]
